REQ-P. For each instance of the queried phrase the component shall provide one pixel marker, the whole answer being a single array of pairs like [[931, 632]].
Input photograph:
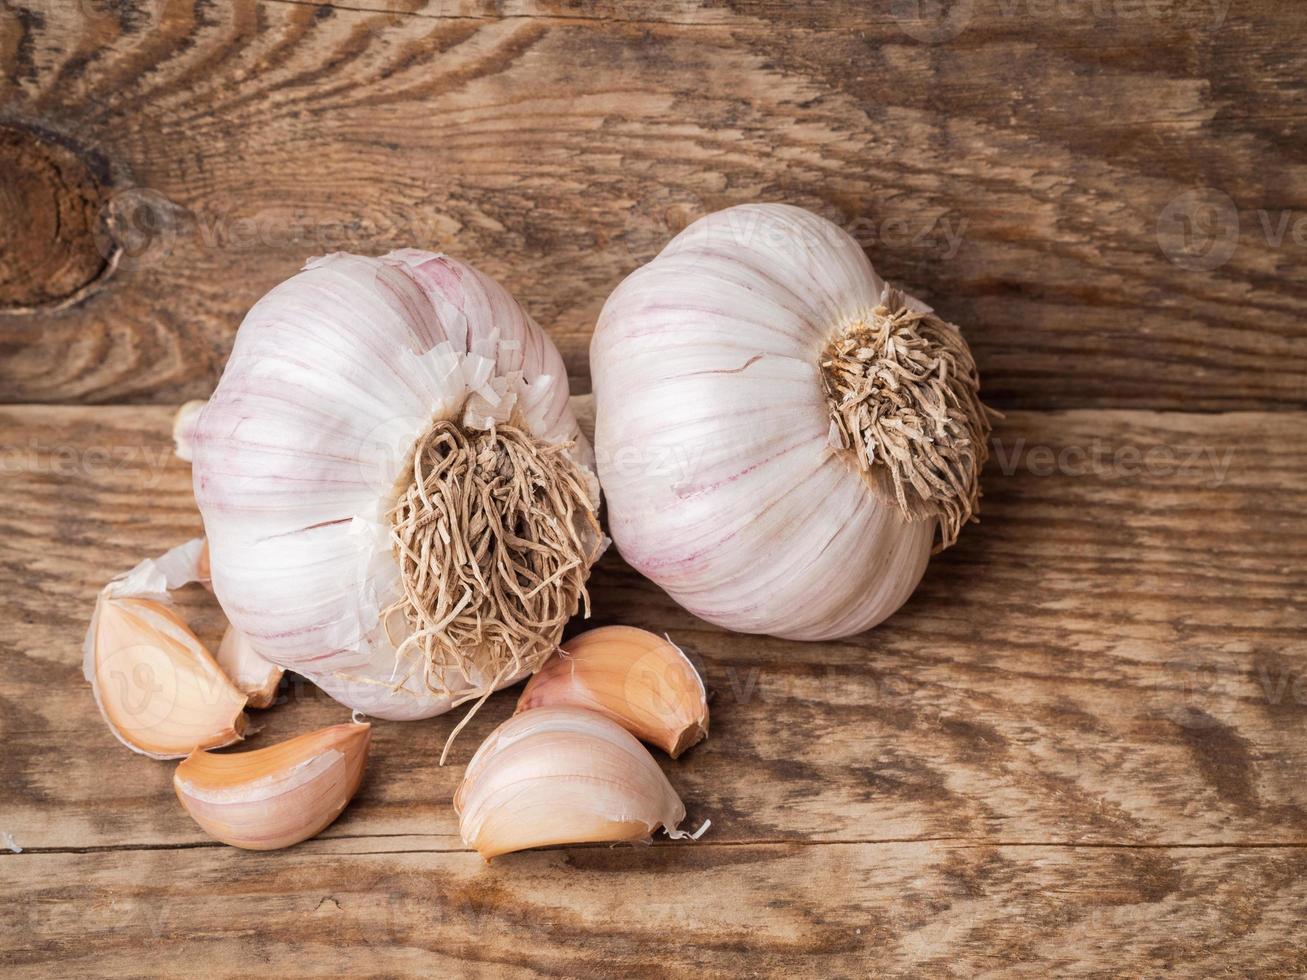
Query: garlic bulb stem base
[[905, 407], [308, 441], [494, 537]]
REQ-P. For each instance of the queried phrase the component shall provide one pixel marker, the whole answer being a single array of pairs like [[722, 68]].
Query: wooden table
[[1080, 747]]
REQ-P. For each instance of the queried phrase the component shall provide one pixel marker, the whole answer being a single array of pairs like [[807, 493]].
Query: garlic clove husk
[[157, 687], [642, 681], [253, 676], [202, 573], [183, 427], [278, 796], [564, 775]]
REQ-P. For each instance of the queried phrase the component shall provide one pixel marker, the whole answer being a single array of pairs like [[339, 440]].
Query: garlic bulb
[[275, 797], [780, 435], [251, 674], [643, 682], [562, 776], [398, 501], [156, 685]]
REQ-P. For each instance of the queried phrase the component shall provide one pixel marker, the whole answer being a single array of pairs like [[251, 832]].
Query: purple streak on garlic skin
[[297, 455], [706, 366]]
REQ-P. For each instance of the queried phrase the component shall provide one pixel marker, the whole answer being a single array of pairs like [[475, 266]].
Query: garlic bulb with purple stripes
[[398, 501], [781, 436]]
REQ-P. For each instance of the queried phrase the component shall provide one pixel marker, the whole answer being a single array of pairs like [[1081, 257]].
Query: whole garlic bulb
[[780, 435], [398, 501]]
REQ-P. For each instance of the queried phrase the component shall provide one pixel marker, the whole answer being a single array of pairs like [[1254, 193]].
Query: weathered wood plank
[[1017, 174], [1116, 654], [387, 908]]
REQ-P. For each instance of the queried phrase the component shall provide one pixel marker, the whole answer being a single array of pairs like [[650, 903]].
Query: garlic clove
[[278, 796], [183, 427], [157, 687], [203, 574], [562, 776], [642, 681], [253, 676]]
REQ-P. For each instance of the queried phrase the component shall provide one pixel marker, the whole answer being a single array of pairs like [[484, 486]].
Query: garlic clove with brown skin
[[275, 797], [562, 775], [642, 681], [253, 676], [157, 687]]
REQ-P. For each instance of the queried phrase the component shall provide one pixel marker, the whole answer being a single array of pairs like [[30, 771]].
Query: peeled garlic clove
[[562, 776], [278, 796], [253, 676], [643, 682], [157, 686], [183, 427]]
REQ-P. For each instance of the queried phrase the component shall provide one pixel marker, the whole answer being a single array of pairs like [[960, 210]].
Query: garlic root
[[642, 681], [275, 797], [562, 776]]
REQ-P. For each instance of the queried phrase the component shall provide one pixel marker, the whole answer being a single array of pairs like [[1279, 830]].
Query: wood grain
[[1076, 751], [400, 907], [1035, 175], [1115, 655]]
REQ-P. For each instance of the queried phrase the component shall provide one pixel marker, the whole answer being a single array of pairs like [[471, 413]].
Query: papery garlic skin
[[302, 449], [565, 775], [183, 427], [271, 798], [642, 681], [251, 674], [720, 462]]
